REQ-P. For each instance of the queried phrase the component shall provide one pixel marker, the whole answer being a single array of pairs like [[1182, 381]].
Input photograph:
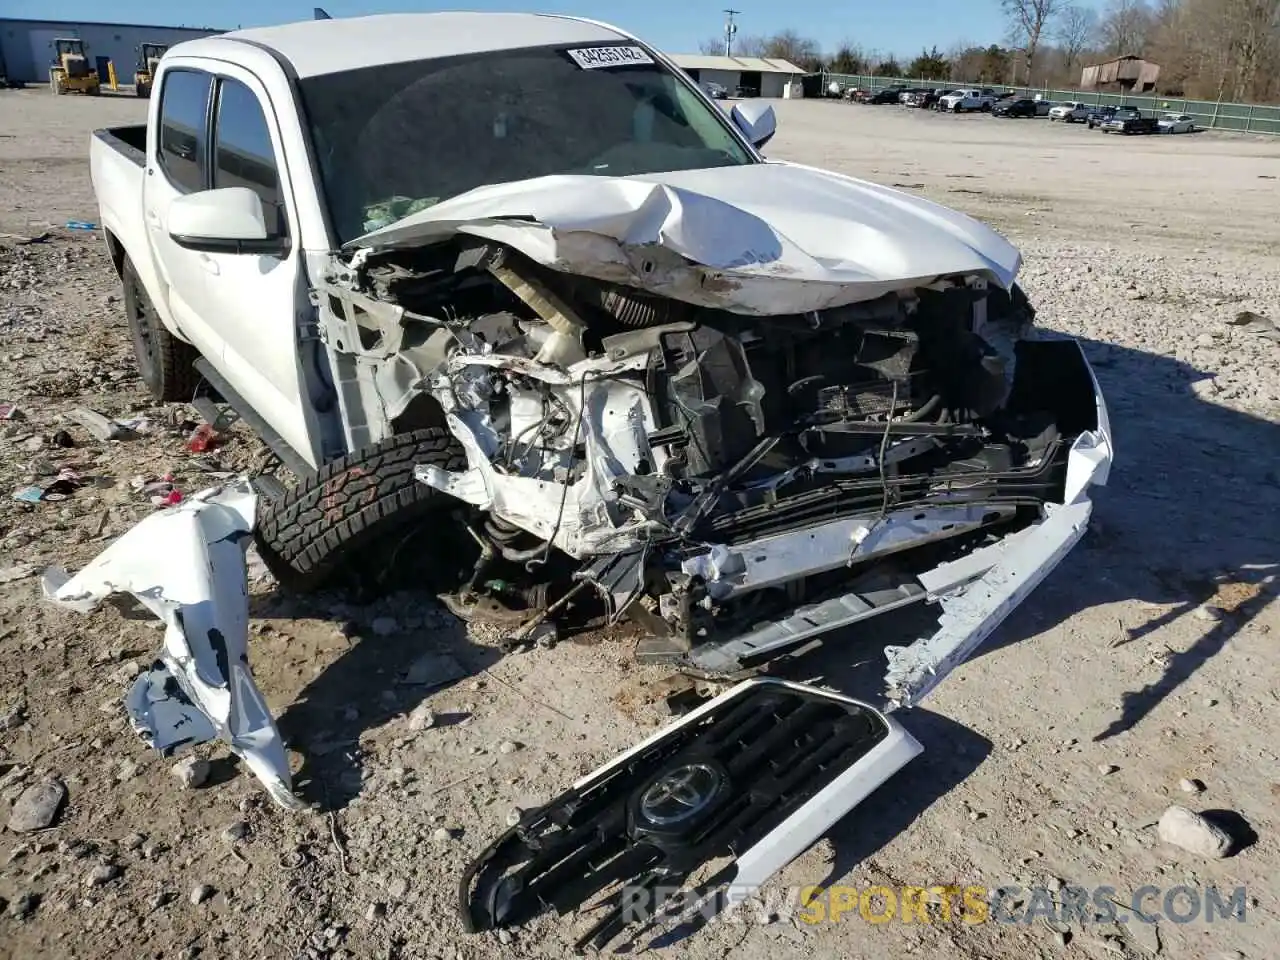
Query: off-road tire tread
[[352, 502], [175, 359]]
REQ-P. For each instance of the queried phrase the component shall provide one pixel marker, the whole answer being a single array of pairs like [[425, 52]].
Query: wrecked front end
[[682, 446], [740, 457]]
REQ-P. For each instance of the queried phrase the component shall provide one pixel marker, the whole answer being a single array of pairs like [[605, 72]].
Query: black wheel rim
[[144, 334]]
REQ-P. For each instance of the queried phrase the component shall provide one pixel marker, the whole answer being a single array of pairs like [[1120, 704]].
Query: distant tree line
[[1207, 49]]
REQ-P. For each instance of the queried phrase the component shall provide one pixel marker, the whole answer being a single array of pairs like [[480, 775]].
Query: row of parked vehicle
[[1121, 119], [1109, 119], [935, 98]]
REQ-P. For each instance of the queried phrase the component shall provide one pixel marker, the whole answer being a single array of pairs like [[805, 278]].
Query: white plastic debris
[[187, 566]]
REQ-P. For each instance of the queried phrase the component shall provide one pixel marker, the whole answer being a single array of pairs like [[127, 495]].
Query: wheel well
[[423, 411], [116, 249]]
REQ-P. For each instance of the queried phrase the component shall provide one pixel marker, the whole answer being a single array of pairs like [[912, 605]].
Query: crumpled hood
[[762, 239]]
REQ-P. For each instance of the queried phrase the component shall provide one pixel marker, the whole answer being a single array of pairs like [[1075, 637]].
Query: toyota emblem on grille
[[680, 794]]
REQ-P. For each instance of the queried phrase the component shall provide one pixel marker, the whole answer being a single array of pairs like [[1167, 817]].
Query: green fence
[[1242, 117]]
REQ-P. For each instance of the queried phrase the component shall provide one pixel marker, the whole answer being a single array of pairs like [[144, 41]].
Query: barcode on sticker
[[593, 58]]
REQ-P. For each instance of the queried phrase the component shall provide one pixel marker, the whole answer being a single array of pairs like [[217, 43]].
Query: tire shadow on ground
[[376, 680]]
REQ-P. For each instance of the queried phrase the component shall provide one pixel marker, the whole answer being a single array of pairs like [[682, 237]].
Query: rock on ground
[[192, 772], [1189, 830], [38, 806]]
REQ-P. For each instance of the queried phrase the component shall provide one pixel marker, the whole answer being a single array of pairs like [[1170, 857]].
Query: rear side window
[[242, 151], [184, 102]]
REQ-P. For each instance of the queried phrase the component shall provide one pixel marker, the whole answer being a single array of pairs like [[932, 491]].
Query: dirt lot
[[1148, 657]]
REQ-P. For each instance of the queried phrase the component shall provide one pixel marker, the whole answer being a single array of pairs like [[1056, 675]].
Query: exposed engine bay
[[735, 484]]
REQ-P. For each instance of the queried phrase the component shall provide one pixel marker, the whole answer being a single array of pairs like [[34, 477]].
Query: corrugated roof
[[700, 61]]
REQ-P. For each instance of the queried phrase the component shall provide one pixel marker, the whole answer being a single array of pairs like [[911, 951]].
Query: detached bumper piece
[[758, 774], [186, 564]]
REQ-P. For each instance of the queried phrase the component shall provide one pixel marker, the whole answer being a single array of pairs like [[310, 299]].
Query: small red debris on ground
[[203, 439]]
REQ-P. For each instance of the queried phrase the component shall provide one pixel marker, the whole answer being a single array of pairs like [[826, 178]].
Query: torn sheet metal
[[761, 239], [973, 609], [186, 565]]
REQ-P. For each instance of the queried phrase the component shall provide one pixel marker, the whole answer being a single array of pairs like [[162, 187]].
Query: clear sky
[[900, 27]]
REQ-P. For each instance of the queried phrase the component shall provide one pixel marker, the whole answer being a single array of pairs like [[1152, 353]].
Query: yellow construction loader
[[148, 62], [71, 70]]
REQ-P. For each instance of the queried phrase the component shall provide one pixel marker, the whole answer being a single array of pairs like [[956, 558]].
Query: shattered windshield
[[397, 138]]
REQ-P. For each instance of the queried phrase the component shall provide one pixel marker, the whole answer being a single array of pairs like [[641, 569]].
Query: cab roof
[[316, 47]]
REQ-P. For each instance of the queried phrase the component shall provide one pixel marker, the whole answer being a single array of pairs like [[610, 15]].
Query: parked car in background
[[1070, 111], [1176, 123], [967, 99], [922, 98], [743, 92], [1042, 106], [1099, 115], [715, 90], [1020, 107], [1129, 120], [887, 95]]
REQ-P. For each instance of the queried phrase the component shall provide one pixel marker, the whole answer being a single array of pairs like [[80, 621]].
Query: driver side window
[[243, 155], [184, 99]]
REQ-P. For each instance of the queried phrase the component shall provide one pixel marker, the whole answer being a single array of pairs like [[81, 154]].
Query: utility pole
[[730, 29]]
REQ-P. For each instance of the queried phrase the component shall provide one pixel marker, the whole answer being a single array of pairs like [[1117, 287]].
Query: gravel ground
[[1146, 659]]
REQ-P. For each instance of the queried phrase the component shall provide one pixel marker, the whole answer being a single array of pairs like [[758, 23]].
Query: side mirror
[[757, 120], [227, 220]]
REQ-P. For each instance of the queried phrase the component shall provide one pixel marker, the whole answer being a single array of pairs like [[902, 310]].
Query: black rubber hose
[[929, 406]]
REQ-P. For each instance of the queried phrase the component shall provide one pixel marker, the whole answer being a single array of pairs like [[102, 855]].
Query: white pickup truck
[[512, 296], [1070, 111], [513, 292], [965, 101]]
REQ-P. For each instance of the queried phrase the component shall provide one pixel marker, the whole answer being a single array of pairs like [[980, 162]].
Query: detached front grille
[[710, 787]]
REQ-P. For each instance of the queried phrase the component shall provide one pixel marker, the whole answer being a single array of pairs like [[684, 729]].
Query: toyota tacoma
[[512, 292]]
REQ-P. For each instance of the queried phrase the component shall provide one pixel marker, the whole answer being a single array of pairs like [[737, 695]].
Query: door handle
[[153, 218], [209, 264]]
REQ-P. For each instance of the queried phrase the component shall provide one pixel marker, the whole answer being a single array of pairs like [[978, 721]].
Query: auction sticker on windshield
[[593, 58]]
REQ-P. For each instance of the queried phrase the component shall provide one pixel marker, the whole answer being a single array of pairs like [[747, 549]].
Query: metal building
[[1123, 75], [27, 45], [767, 78]]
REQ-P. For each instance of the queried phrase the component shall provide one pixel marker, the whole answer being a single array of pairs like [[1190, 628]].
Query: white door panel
[[184, 96], [253, 300]]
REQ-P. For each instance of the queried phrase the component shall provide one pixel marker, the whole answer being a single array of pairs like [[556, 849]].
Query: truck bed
[[131, 141], [117, 160]]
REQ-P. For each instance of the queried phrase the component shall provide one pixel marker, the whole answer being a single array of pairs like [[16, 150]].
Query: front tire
[[165, 363], [358, 502]]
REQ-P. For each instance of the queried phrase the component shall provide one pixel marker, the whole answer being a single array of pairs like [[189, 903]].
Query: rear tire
[[358, 503], [165, 363]]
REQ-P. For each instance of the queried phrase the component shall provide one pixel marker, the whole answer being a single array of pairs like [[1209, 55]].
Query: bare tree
[[750, 46], [789, 45], [1125, 27], [1028, 20], [848, 59], [1074, 30]]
